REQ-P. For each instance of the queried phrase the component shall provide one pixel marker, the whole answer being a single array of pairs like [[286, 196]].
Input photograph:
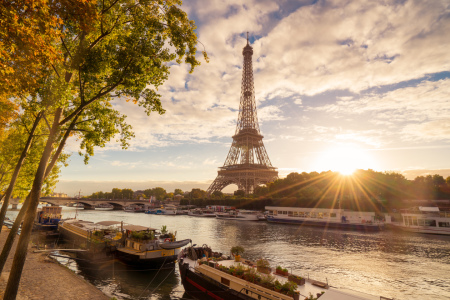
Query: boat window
[[414, 219], [313, 215], [333, 215], [421, 222], [295, 214], [225, 281], [444, 224], [320, 215], [431, 223], [284, 212], [289, 213]]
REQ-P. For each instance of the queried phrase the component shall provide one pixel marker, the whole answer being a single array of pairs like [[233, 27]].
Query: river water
[[391, 264]]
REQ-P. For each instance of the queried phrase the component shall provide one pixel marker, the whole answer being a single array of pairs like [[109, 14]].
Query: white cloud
[[270, 113], [315, 48], [416, 113]]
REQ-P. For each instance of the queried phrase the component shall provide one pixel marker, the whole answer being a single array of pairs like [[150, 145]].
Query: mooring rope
[[155, 277]]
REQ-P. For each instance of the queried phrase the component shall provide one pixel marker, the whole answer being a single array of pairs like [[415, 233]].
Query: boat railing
[[381, 297]]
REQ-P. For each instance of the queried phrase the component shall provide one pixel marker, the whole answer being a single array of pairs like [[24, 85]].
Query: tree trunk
[[22, 247], [13, 232], [17, 169]]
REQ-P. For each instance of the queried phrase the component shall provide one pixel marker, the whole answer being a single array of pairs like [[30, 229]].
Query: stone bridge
[[118, 204]]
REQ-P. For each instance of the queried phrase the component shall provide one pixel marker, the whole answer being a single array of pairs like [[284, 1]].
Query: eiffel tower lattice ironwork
[[247, 164]]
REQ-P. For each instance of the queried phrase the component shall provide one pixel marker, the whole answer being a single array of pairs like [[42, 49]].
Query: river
[[391, 264]]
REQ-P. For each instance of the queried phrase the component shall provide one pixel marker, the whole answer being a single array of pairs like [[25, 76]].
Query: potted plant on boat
[[281, 271], [239, 271], [277, 286], [236, 251], [251, 275], [289, 288], [263, 266], [267, 281], [297, 279]]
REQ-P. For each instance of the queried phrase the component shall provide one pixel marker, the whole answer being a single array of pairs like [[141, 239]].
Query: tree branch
[[100, 94], [64, 44], [46, 121]]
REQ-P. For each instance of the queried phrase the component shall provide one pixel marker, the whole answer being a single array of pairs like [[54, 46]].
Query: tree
[[120, 53], [178, 192], [217, 195], [239, 193], [159, 193], [198, 194]]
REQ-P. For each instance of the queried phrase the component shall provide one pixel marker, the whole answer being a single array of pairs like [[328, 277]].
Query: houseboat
[[134, 208], [169, 210], [211, 276], [201, 213], [154, 211], [47, 218], [239, 215], [134, 244], [144, 246], [99, 240], [425, 220], [322, 217]]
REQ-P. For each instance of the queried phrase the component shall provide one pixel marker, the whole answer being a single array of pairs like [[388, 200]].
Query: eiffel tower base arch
[[246, 180]]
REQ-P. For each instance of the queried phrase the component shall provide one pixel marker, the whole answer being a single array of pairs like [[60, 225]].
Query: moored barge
[[211, 280]]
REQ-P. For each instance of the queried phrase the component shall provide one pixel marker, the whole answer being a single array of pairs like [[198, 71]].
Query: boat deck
[[310, 287]]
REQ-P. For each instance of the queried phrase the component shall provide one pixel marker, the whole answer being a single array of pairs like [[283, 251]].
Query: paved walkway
[[42, 278]]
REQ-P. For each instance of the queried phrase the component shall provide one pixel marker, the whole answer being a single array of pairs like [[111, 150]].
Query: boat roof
[[108, 223], [428, 209], [137, 227]]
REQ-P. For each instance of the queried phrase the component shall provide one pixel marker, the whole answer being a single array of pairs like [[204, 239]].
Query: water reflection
[[392, 264]]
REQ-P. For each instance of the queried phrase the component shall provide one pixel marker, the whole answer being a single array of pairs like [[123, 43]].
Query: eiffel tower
[[247, 164]]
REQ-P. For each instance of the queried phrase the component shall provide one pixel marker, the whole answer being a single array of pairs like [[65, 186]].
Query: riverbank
[[44, 278]]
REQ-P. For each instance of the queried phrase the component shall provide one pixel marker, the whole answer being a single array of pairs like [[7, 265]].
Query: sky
[[339, 85]]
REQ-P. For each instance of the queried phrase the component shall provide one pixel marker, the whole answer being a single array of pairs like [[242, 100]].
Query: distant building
[[59, 195]]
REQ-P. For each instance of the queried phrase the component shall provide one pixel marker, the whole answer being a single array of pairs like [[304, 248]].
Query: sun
[[344, 160]]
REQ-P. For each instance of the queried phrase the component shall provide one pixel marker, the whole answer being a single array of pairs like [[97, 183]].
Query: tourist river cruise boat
[[223, 278], [425, 220], [322, 217]]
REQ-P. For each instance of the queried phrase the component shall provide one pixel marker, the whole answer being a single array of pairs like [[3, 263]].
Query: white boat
[[323, 217], [134, 208], [240, 215], [182, 212], [425, 220], [224, 278], [169, 210], [201, 213]]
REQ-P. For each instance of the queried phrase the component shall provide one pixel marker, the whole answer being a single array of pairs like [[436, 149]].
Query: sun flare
[[345, 160]]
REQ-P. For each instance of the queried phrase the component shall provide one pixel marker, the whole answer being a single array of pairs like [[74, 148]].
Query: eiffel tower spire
[[247, 164]]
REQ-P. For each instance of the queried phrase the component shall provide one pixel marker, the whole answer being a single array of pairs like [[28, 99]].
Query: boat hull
[[95, 252], [237, 218], [427, 230], [200, 287], [347, 226], [155, 258]]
